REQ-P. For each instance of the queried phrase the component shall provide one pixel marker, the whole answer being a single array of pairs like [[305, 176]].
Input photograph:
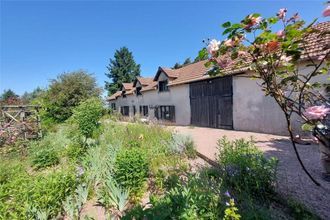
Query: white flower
[[213, 46]]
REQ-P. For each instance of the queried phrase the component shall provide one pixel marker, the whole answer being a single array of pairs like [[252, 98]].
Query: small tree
[[121, 69], [275, 58], [67, 91], [87, 116]]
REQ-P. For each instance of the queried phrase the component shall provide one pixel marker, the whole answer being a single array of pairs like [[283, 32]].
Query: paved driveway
[[292, 181]]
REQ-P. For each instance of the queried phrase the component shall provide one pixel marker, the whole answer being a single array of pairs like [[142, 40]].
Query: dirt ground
[[292, 181]]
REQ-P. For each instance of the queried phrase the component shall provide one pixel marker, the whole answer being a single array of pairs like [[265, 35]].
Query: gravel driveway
[[292, 181]]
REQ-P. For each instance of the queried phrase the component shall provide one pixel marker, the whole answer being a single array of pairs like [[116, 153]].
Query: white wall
[[177, 96], [253, 111]]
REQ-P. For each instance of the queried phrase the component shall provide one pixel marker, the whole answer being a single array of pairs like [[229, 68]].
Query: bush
[[245, 167], [182, 144], [195, 199], [45, 158], [24, 196], [87, 116], [131, 169], [65, 92]]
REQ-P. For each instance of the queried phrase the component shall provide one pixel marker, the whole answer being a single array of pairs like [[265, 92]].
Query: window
[[162, 86], [113, 106], [165, 112], [144, 110], [124, 110], [124, 94], [138, 91]]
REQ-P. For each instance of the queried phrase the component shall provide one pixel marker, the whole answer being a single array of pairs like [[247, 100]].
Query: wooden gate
[[211, 103], [24, 119]]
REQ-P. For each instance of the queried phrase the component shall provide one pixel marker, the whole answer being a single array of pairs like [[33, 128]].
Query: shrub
[[45, 158], [245, 167], [25, 196], [75, 151], [131, 169], [87, 116], [65, 92], [195, 199], [182, 144]]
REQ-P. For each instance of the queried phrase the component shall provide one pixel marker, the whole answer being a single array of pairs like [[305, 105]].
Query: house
[[188, 96]]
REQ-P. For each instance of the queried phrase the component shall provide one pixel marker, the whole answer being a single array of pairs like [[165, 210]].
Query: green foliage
[[231, 212], [121, 69], [24, 196], [111, 195], [196, 199], [245, 167], [131, 169], [74, 203], [98, 164], [65, 92], [30, 97], [87, 116], [183, 144], [45, 158], [8, 94]]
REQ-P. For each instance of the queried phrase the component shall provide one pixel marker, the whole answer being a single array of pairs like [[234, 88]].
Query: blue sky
[[40, 39]]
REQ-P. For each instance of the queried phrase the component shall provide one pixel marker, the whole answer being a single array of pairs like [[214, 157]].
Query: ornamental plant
[[87, 116], [276, 56]]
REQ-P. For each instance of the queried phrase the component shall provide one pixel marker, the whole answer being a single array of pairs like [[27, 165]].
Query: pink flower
[[229, 43], [242, 53], [280, 33], [281, 13], [213, 46], [252, 21], [316, 112], [320, 58], [326, 12], [224, 61]]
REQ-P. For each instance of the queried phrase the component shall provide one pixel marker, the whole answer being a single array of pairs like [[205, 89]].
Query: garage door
[[211, 103]]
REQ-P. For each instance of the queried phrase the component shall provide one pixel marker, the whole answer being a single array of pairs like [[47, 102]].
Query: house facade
[[188, 96]]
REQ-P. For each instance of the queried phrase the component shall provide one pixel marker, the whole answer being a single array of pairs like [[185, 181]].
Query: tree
[[9, 97], [275, 58], [28, 97], [66, 92], [177, 66], [187, 61], [7, 94], [121, 69]]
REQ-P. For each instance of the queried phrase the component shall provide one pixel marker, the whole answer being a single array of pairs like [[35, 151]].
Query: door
[[211, 103]]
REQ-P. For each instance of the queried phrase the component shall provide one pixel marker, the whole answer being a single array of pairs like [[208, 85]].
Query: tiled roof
[[316, 44], [115, 95], [128, 86], [172, 73], [145, 81], [151, 86]]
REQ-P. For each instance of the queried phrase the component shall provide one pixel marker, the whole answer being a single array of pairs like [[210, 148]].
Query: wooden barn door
[[211, 103]]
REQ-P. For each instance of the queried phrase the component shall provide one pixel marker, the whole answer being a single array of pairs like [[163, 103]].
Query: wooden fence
[[24, 118]]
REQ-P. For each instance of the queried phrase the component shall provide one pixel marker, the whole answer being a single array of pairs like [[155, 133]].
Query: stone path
[[292, 181]]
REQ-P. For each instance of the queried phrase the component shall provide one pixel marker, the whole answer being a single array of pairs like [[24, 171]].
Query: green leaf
[[226, 24], [307, 127], [203, 54]]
